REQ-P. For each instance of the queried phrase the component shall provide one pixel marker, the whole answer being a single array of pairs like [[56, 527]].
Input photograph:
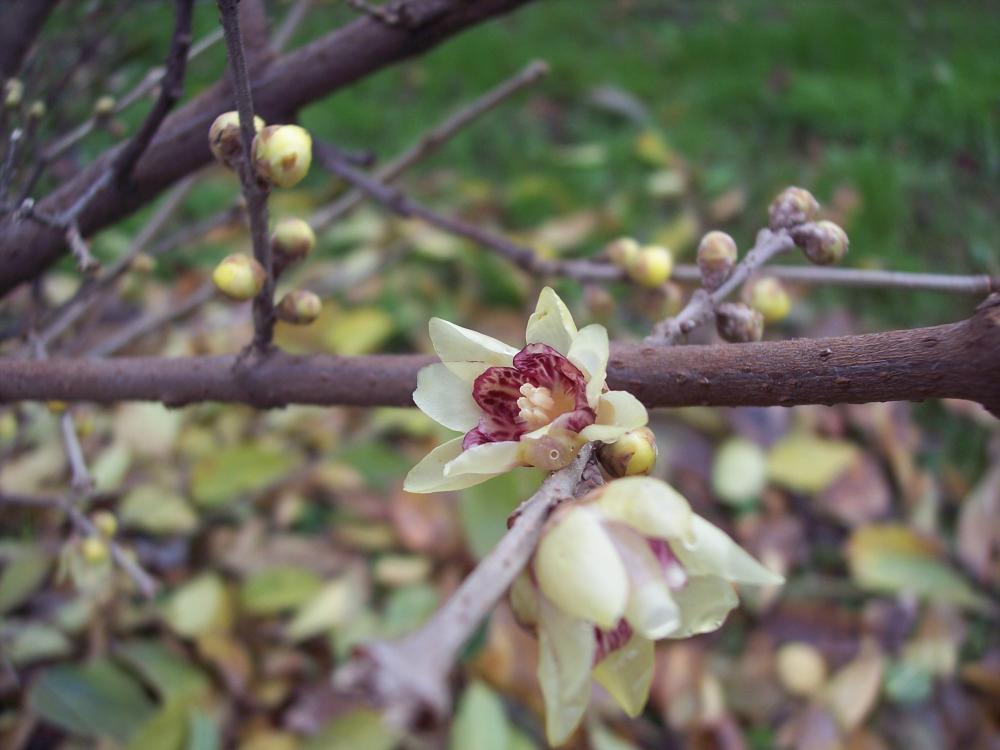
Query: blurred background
[[284, 538]]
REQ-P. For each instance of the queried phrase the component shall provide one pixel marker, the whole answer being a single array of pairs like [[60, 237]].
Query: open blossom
[[533, 407], [625, 566]]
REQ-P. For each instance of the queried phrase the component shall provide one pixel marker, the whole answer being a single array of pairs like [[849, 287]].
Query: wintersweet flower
[[533, 407], [625, 566]]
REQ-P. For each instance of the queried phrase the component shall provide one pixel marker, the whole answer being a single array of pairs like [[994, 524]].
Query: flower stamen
[[537, 407]]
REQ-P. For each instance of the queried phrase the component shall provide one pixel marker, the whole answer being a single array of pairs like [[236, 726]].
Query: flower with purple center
[[531, 407], [626, 566]]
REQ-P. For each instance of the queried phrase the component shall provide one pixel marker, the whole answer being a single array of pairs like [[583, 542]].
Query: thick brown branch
[[287, 84], [958, 360], [20, 24]]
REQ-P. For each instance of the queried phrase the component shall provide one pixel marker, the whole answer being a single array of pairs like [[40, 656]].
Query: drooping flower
[[533, 407], [625, 566]]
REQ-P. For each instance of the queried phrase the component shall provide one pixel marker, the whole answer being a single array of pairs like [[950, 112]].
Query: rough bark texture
[[958, 360], [279, 89]]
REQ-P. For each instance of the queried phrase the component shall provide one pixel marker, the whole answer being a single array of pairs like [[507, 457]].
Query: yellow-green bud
[[769, 297], [239, 277], [104, 107], [224, 137], [739, 323], [824, 243], [94, 550], [792, 207], [282, 154], [299, 307], [13, 92], [105, 522], [651, 266], [37, 110], [801, 668], [293, 239], [143, 263], [622, 251], [634, 453], [57, 407], [717, 255]]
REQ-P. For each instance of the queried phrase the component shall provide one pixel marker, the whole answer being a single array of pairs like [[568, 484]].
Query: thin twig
[[253, 193], [381, 13], [80, 478], [290, 24], [7, 169]]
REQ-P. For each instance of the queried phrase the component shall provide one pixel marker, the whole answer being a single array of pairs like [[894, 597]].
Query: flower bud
[[622, 251], [716, 257], [104, 107], [37, 110], [105, 522], [143, 263], [823, 243], [94, 550], [651, 266], [739, 323], [224, 136], [634, 453], [663, 301], [292, 240], [13, 92], [282, 154], [801, 668], [299, 307], [239, 277], [792, 207], [770, 299]]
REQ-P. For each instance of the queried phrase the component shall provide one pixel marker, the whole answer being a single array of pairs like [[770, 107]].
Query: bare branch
[[20, 24]]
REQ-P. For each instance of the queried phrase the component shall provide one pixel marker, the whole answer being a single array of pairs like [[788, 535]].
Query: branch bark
[[20, 25], [287, 84], [957, 360]]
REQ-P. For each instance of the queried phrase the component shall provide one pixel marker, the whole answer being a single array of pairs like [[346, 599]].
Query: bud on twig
[[13, 92], [104, 108], [224, 137], [634, 453], [622, 251], [664, 301], [105, 522], [770, 299], [299, 307], [717, 255], [824, 243], [292, 240], [36, 111], [239, 277], [792, 207], [94, 550], [282, 154], [651, 266], [739, 323]]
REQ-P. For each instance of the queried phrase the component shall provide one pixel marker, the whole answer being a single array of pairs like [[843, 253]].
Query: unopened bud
[[282, 154], [739, 323], [239, 277], [37, 110], [292, 240], [663, 301], [143, 263], [94, 550], [824, 243], [553, 451], [104, 107], [105, 522], [651, 266], [634, 453], [717, 255], [622, 251], [299, 307], [792, 207], [769, 297], [13, 92], [224, 137]]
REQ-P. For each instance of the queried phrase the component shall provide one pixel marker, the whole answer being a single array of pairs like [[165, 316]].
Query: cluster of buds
[[739, 323], [281, 157], [625, 566], [717, 255], [647, 265], [768, 297], [94, 548], [795, 209]]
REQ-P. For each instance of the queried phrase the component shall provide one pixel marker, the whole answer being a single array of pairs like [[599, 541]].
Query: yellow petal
[[578, 569], [617, 413], [428, 475], [466, 352], [651, 610], [589, 351], [488, 458], [627, 674], [551, 323], [565, 654], [445, 398], [711, 552], [650, 506], [704, 601]]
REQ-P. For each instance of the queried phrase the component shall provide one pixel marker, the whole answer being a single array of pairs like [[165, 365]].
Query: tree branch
[[287, 84], [20, 24], [957, 360]]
